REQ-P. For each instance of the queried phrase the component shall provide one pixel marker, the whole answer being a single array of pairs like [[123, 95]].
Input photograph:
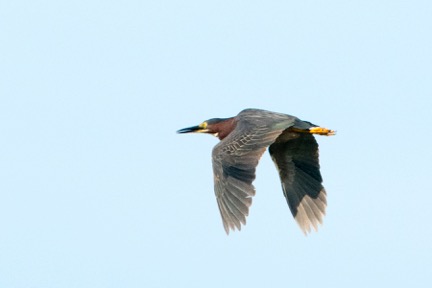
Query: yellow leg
[[321, 131]]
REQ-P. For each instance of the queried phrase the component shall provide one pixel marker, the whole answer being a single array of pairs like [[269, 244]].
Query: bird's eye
[[203, 125]]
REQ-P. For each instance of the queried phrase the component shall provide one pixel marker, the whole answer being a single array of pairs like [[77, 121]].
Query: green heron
[[294, 150]]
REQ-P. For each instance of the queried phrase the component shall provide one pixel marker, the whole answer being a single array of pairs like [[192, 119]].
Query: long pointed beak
[[190, 129]]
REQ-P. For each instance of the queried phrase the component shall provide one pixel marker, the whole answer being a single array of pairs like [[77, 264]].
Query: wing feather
[[296, 158], [234, 163]]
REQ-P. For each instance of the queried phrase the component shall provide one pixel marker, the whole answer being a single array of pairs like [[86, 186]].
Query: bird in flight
[[293, 149]]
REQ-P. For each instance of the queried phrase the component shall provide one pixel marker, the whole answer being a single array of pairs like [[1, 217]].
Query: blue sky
[[97, 189]]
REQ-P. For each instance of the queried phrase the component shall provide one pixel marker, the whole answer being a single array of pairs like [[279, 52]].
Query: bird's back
[[264, 118]]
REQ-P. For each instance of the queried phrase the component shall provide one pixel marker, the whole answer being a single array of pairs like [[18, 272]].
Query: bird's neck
[[224, 128]]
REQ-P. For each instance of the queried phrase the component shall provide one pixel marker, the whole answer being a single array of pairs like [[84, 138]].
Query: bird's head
[[218, 127]]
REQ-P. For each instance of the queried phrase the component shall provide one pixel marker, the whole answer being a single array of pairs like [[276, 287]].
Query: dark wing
[[296, 158], [234, 161]]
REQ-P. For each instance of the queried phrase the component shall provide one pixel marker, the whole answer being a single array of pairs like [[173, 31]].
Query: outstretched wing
[[234, 161], [296, 158]]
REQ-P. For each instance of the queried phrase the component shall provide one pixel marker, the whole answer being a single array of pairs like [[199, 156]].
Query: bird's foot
[[322, 131]]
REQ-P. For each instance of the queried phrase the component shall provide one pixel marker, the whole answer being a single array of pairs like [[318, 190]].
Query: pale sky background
[[97, 189]]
